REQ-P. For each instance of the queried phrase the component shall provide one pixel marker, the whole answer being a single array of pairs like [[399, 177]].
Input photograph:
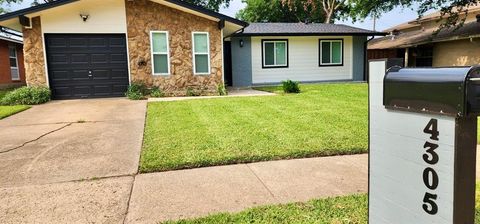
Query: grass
[[6, 111], [348, 210], [323, 120]]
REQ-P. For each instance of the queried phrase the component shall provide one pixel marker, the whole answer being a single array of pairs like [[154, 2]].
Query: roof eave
[[34, 9], [49, 5], [208, 12], [310, 34]]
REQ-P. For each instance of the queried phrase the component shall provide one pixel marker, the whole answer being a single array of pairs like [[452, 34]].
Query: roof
[[429, 17], [419, 37], [304, 29], [181, 3]]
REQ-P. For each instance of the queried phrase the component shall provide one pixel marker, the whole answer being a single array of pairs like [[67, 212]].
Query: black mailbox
[[449, 91]]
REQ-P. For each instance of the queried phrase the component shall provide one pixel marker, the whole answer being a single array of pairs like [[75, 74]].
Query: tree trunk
[[328, 18]]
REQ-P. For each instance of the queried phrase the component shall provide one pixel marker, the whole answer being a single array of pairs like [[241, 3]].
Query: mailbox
[[449, 91], [422, 144]]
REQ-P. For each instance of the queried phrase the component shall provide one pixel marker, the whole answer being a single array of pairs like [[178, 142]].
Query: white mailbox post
[[422, 144]]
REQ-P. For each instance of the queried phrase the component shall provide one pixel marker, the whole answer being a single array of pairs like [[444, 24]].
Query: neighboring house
[[92, 48], [418, 45], [12, 71], [266, 53]]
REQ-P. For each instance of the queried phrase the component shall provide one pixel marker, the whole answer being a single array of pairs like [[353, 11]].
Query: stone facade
[[33, 54], [144, 16]]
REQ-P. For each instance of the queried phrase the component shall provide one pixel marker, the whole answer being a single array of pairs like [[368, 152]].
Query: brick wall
[[5, 75]]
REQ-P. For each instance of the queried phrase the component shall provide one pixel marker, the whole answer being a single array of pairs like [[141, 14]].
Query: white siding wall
[[303, 61], [106, 16]]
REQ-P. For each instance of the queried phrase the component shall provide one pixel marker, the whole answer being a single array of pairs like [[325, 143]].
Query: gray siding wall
[[359, 57], [241, 62]]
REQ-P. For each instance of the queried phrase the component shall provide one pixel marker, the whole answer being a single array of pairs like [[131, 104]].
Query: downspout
[[365, 59]]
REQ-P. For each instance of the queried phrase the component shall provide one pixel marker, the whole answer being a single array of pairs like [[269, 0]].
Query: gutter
[[7, 31]]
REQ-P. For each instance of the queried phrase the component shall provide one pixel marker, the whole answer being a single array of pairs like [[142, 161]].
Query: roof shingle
[[287, 29]]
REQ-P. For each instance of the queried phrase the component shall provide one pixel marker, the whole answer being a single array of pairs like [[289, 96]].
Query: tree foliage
[[328, 11], [329, 8], [277, 11], [451, 10], [209, 4]]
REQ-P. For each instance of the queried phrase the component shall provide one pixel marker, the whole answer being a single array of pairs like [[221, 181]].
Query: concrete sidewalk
[[199, 192], [157, 197]]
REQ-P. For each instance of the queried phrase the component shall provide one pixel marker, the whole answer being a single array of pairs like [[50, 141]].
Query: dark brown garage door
[[87, 65]]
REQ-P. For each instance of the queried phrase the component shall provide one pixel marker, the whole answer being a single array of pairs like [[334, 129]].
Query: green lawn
[[323, 120], [348, 210], [6, 111]]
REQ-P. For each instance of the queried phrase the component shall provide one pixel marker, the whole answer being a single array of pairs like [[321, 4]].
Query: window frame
[[208, 54], [152, 54], [342, 58], [264, 66], [16, 62]]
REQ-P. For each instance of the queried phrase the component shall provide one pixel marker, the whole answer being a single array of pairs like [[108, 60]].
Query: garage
[[87, 65]]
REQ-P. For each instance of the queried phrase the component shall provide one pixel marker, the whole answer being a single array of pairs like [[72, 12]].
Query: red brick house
[[12, 70]]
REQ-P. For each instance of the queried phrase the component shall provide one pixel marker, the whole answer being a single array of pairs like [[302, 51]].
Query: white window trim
[[275, 53], [160, 53], [331, 50], [16, 59], [193, 53]]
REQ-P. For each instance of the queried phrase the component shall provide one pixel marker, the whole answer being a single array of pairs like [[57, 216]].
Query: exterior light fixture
[[241, 42], [84, 17]]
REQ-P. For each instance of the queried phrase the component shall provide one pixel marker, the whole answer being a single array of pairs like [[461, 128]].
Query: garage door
[[87, 65]]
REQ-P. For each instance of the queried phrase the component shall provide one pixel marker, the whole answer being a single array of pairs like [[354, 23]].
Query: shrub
[[27, 96], [222, 91], [156, 92], [136, 91], [192, 92], [290, 86]]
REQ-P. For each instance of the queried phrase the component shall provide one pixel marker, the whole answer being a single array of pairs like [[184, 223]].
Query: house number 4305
[[430, 176]]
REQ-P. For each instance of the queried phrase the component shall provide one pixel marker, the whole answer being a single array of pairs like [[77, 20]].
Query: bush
[[136, 91], [27, 96], [222, 91], [290, 86], [192, 92], [156, 92]]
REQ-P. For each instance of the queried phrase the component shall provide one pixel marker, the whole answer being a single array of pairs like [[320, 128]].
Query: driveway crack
[[34, 140]]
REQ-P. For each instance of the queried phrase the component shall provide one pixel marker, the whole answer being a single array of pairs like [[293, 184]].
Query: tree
[[209, 4], [330, 8], [451, 10], [276, 11]]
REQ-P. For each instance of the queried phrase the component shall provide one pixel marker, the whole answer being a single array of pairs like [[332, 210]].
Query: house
[[419, 43], [91, 48], [12, 71], [267, 53]]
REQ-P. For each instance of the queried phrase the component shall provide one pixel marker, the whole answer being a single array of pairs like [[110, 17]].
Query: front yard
[[323, 120], [6, 111]]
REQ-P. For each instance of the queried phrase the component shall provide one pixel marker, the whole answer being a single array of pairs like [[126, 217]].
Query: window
[[201, 53], [160, 53], [275, 53], [13, 62], [331, 52]]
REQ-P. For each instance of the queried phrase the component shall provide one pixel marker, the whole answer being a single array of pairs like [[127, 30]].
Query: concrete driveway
[[55, 160]]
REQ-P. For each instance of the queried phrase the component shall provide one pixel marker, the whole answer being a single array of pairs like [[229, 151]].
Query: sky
[[395, 17]]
